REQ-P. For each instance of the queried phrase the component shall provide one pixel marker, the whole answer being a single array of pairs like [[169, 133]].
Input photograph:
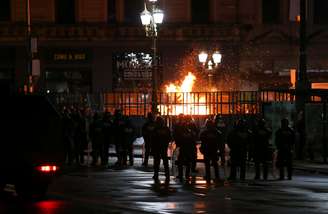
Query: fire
[[186, 86], [182, 101]]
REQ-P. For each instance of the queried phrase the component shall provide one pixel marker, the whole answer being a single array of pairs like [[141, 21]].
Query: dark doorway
[[68, 80]]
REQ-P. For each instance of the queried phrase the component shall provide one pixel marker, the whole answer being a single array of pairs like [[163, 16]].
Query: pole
[[154, 77], [28, 45], [210, 82], [324, 125], [302, 85]]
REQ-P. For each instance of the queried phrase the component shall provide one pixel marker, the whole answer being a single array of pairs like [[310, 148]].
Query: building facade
[[82, 45]]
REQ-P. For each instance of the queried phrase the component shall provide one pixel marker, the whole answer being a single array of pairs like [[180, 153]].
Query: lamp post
[[302, 83], [29, 83], [209, 63], [151, 19]]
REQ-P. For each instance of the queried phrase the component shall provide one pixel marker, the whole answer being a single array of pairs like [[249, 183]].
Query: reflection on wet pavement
[[132, 190]]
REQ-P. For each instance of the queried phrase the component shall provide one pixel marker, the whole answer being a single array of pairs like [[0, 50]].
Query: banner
[[132, 70]]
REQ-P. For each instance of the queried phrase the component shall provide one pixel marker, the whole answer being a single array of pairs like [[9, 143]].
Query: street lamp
[[209, 63], [150, 19]]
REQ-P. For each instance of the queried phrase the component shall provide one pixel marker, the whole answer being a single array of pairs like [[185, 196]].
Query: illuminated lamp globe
[[216, 57], [202, 57], [145, 17], [158, 16]]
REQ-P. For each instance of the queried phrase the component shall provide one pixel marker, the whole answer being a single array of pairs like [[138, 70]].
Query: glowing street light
[[150, 19], [209, 63]]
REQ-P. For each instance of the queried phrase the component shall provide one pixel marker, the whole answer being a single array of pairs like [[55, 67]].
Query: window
[[320, 12], [270, 11], [5, 10], [132, 10], [111, 11], [65, 11], [200, 11]]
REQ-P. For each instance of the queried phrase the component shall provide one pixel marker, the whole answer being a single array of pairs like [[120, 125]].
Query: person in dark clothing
[[97, 138], [285, 140], [118, 134], [129, 138], [238, 142], [222, 127], [261, 149], [162, 134], [108, 132], [190, 123], [185, 139], [68, 127], [300, 128], [80, 136], [147, 134], [211, 140]]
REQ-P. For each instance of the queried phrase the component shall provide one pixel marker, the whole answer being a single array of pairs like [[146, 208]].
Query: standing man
[[129, 138], [118, 130], [97, 138], [147, 134], [190, 123], [222, 127], [285, 140], [211, 140], [261, 149], [108, 135], [238, 142], [162, 134]]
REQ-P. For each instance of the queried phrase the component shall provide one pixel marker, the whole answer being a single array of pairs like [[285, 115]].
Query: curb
[[312, 170]]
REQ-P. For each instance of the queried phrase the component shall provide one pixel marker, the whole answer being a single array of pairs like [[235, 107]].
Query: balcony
[[102, 32]]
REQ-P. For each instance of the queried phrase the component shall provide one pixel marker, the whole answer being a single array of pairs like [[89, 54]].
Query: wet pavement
[[132, 190]]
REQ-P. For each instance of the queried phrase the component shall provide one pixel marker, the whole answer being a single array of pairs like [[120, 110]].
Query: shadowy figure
[[147, 134], [238, 142], [261, 149], [285, 140], [129, 138], [211, 140], [97, 138], [162, 134]]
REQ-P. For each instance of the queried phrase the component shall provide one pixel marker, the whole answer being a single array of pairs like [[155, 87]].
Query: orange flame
[[182, 101]]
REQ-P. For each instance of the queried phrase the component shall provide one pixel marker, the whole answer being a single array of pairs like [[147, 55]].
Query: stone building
[[81, 42]]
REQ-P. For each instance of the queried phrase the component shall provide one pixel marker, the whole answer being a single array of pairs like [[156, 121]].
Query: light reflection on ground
[[48, 207]]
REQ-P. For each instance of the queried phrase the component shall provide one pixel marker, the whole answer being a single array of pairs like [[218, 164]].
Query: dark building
[[81, 42]]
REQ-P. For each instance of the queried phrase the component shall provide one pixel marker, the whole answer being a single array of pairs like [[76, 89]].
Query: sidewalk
[[311, 166]]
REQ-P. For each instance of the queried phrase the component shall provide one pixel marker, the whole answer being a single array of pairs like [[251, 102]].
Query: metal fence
[[170, 104]]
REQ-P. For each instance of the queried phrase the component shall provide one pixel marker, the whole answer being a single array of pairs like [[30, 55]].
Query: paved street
[[132, 190]]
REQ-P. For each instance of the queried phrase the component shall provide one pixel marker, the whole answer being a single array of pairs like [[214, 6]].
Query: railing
[[170, 104]]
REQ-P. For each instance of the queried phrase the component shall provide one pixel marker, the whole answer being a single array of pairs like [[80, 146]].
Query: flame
[[186, 86], [182, 101]]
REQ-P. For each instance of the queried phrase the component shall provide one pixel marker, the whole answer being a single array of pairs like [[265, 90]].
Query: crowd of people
[[246, 143]]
